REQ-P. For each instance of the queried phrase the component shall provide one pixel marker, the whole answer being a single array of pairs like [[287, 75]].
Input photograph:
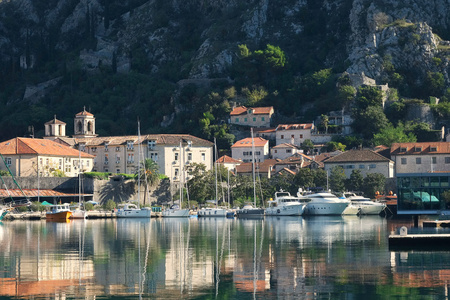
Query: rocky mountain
[[51, 50]]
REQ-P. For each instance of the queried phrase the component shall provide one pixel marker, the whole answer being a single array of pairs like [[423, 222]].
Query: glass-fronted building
[[421, 193]]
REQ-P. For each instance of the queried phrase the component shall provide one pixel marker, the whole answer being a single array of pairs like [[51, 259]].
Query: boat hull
[[291, 210], [78, 214], [250, 213], [352, 210], [325, 209], [175, 213], [134, 213], [212, 212], [372, 209], [59, 216]]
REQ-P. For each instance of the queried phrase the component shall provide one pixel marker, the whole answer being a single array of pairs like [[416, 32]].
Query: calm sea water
[[274, 258]]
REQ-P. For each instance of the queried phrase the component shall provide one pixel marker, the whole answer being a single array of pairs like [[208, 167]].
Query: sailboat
[[251, 211], [175, 210], [131, 210], [214, 211], [78, 212]]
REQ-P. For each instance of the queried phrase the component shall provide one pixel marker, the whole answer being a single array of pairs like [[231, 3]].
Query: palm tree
[[149, 173]]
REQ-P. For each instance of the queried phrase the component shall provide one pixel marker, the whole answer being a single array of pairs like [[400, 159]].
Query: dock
[[95, 214], [423, 241]]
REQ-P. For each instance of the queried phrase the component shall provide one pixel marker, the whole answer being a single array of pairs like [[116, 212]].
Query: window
[[361, 166], [372, 166], [46, 162], [117, 149], [94, 149], [282, 136], [263, 119], [106, 159], [237, 120], [176, 156], [288, 150], [447, 160], [189, 156], [404, 161], [245, 119], [434, 160], [106, 147], [117, 171], [151, 144], [176, 172], [433, 149], [8, 161], [257, 152], [68, 168], [301, 136], [117, 159], [402, 149], [203, 156], [130, 158], [154, 156], [276, 151], [106, 170], [60, 164], [254, 119], [350, 166], [418, 149], [418, 160], [130, 145]]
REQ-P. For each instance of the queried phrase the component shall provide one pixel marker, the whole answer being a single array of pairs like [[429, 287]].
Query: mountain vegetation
[[181, 65]]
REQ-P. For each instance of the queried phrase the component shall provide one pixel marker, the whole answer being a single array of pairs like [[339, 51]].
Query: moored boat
[[324, 204], [130, 210], [285, 205], [366, 206], [59, 212], [175, 212]]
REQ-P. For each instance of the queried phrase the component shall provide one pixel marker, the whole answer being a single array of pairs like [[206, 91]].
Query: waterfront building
[[252, 116], [421, 157], [421, 193], [367, 161], [243, 149], [284, 150], [294, 134], [228, 162], [25, 156], [294, 163]]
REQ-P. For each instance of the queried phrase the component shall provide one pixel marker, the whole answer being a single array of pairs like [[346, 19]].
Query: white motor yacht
[[324, 204], [366, 206], [285, 205], [132, 211]]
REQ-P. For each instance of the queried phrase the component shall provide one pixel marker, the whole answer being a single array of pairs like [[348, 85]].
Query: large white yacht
[[365, 205], [324, 204], [132, 211], [285, 205]]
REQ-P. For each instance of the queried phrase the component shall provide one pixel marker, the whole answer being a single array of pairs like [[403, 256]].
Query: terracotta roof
[[84, 113], [294, 159], [55, 121], [240, 110], [16, 193], [260, 167], [286, 170], [357, 156], [295, 126], [324, 156], [264, 130], [285, 145], [227, 160], [247, 142], [420, 148], [161, 139], [32, 146]]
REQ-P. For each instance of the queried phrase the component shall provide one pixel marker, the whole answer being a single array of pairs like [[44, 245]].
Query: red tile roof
[[227, 160], [357, 156], [240, 110], [84, 113], [285, 145], [260, 167], [294, 159], [161, 139], [420, 148], [32, 146], [16, 193], [247, 142], [286, 170], [55, 121], [295, 126]]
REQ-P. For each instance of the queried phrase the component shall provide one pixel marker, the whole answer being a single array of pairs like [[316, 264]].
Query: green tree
[[149, 175], [109, 205], [337, 179], [355, 182], [334, 146], [307, 146], [274, 56], [199, 184], [304, 178], [324, 122], [372, 183], [369, 121], [320, 178], [346, 94], [369, 96], [243, 51], [390, 134], [434, 84]]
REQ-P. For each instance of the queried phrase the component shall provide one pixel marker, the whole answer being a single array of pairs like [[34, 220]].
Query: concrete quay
[[420, 241], [94, 214]]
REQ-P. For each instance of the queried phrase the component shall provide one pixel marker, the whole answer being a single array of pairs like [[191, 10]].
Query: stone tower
[[84, 124], [54, 129]]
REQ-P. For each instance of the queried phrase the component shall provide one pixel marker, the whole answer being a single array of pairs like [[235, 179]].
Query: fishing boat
[[285, 205], [59, 212], [130, 210]]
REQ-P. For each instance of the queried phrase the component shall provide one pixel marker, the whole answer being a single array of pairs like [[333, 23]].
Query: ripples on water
[[290, 257]]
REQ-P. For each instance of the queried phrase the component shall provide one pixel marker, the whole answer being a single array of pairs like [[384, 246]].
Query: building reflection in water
[[186, 258]]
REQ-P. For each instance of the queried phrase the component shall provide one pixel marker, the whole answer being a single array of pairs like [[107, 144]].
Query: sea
[[320, 257]]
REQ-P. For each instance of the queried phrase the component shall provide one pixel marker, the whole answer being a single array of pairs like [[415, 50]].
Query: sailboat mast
[[139, 162], [215, 167], [228, 187], [181, 174], [79, 174], [253, 169]]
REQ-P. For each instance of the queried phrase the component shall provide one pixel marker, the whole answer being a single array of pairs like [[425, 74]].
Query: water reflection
[[294, 257]]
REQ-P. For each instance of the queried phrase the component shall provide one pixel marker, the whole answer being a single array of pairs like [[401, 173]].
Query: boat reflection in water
[[315, 257]]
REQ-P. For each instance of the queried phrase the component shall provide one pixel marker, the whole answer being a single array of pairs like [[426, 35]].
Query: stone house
[[252, 116], [294, 134]]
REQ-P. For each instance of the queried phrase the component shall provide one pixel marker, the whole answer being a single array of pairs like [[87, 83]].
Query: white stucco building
[[243, 149], [294, 134]]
